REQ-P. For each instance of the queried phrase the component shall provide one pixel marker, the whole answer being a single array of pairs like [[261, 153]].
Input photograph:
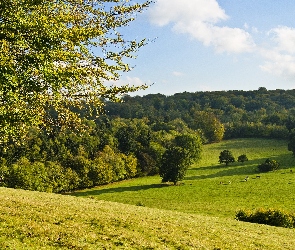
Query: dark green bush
[[268, 165], [270, 217], [242, 158]]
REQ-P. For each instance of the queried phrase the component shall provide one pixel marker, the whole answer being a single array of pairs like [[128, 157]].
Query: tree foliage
[[56, 55], [184, 150], [226, 157]]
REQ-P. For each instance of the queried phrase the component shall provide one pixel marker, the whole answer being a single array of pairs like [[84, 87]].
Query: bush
[[268, 165], [270, 217], [242, 158]]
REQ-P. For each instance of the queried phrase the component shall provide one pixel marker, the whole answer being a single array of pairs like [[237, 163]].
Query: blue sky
[[208, 45]]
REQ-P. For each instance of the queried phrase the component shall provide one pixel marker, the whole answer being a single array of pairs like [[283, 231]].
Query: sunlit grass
[[214, 189], [197, 214], [32, 220]]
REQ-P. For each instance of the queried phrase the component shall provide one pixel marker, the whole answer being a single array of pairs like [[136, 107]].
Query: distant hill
[[243, 113]]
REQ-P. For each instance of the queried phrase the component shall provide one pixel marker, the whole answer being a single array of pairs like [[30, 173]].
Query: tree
[[242, 158], [212, 128], [184, 150], [173, 165], [226, 157], [56, 55]]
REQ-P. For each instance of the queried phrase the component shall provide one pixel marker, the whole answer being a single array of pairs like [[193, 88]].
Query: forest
[[131, 137]]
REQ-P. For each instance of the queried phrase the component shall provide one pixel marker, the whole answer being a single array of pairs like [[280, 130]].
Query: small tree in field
[[184, 150], [242, 158], [173, 166], [226, 157]]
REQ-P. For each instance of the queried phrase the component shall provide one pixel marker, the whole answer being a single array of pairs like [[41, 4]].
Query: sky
[[213, 45]]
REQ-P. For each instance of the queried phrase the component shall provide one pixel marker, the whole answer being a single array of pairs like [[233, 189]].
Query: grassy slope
[[32, 220], [202, 193], [203, 216]]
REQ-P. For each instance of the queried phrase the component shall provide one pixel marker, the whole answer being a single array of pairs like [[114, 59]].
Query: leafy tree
[[212, 128], [192, 146], [173, 166], [226, 157], [242, 158], [56, 55], [184, 150]]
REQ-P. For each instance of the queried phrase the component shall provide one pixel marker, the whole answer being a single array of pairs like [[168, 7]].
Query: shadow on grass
[[246, 143], [243, 169], [119, 189], [222, 166], [234, 170]]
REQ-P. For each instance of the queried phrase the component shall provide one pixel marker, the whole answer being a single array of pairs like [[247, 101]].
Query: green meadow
[[144, 213], [214, 189]]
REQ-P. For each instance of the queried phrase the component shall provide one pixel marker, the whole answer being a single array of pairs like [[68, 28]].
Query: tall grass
[[32, 220]]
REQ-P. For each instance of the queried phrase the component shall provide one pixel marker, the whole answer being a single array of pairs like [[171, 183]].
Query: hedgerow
[[272, 217]]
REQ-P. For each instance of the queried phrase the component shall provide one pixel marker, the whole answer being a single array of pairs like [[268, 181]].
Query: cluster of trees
[[220, 114], [227, 157], [106, 151], [55, 60]]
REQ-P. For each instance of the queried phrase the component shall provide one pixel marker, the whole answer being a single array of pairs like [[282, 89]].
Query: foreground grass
[[213, 189], [32, 220]]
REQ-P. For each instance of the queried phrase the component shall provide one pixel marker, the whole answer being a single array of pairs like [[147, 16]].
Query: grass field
[[198, 214], [214, 189], [32, 220]]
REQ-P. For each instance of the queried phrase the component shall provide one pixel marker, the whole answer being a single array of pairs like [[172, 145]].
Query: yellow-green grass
[[33, 220], [214, 189]]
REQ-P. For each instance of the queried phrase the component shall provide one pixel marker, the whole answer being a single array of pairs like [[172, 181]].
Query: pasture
[[35, 220], [214, 189], [197, 214]]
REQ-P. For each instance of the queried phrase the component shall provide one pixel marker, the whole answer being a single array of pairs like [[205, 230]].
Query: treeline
[[131, 138], [105, 151], [259, 113]]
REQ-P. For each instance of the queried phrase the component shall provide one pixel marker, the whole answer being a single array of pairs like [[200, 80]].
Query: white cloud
[[278, 63], [280, 59], [166, 11], [285, 38], [199, 19]]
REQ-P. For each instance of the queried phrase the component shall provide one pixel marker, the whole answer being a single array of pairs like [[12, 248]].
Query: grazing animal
[[258, 176]]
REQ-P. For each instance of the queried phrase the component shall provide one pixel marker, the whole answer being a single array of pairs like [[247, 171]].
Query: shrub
[[242, 158], [268, 165], [270, 217]]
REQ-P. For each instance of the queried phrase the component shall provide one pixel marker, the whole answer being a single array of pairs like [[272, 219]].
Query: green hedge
[[272, 217]]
